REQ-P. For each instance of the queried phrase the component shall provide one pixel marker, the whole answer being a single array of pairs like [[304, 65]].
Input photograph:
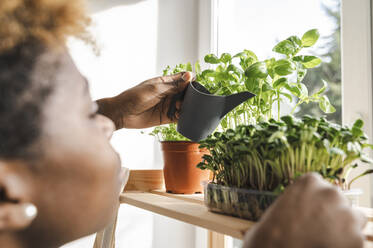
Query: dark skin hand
[[147, 104], [310, 214]]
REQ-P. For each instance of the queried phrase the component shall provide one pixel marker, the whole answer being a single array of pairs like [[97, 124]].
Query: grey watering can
[[201, 111]]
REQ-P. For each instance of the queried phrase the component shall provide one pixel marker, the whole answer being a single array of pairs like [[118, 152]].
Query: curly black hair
[[20, 102], [27, 29]]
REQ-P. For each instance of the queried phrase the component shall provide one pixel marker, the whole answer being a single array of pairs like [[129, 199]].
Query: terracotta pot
[[181, 175]]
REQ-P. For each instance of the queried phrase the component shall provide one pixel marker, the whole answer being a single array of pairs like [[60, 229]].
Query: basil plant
[[272, 80]]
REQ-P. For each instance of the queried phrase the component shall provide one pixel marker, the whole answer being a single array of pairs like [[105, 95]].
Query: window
[[344, 49], [259, 25], [344, 45]]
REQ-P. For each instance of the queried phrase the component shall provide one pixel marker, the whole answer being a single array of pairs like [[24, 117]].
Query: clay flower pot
[[180, 172]]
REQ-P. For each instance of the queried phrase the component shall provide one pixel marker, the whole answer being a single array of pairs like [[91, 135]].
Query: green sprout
[[271, 155], [168, 133]]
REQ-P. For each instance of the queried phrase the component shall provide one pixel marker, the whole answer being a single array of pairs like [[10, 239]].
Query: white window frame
[[357, 99], [356, 49]]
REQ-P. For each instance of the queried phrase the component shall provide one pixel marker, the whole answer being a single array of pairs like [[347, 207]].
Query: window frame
[[356, 49]]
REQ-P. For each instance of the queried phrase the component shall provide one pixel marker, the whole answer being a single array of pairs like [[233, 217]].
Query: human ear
[[16, 211]]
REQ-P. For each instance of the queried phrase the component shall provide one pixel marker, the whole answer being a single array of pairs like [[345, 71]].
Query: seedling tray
[[243, 203]]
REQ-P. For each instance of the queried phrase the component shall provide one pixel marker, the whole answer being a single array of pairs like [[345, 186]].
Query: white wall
[[137, 40]]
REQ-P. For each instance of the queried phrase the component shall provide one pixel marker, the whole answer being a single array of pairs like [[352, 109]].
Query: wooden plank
[[216, 240], [106, 238], [145, 180], [152, 181], [196, 198], [190, 209], [189, 212]]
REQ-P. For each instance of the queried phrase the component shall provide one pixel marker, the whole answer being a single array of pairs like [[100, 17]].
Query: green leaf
[[322, 90], [279, 83], [293, 89], [235, 69], [303, 89], [269, 64], [295, 40], [251, 54], [301, 71], [257, 70], [225, 58], [223, 123], [283, 67], [357, 128], [310, 38], [212, 59], [359, 123], [252, 84], [285, 47], [246, 62], [277, 135], [288, 96], [189, 67], [288, 119], [166, 71], [266, 87], [357, 132], [308, 61], [208, 73], [325, 105], [197, 67], [239, 55], [224, 76]]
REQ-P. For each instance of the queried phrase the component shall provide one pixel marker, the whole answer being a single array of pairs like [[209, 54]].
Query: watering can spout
[[234, 100]]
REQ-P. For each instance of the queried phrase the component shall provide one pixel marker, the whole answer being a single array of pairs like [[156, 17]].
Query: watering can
[[201, 111]]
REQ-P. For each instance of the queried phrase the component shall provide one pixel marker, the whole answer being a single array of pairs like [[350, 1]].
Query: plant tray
[[243, 203]]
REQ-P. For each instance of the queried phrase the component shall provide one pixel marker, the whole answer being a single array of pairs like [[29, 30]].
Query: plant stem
[[259, 99], [295, 107], [278, 106]]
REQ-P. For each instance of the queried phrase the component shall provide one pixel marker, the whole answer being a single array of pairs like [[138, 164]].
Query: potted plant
[[180, 155], [255, 156]]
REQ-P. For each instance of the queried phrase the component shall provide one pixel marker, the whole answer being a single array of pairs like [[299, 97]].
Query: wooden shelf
[[190, 208]]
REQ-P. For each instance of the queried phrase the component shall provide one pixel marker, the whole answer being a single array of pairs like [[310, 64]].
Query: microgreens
[[168, 133], [270, 155]]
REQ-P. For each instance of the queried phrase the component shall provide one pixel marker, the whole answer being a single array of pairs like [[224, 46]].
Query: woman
[[59, 176]]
